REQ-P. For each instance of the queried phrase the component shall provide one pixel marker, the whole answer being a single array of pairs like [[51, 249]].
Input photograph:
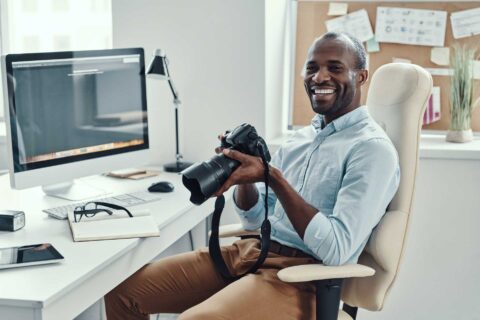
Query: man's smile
[[322, 92]]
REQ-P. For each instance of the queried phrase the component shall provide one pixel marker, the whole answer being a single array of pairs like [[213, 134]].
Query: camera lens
[[203, 179]]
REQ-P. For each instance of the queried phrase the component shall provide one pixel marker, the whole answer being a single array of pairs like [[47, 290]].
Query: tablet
[[30, 255]]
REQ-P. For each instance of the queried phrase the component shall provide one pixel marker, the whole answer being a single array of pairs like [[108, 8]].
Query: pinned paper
[[337, 9], [355, 23], [440, 56], [401, 60], [465, 23], [411, 26], [476, 69], [372, 45], [432, 111], [440, 71]]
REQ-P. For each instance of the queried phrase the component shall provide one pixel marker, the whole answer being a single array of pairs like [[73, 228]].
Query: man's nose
[[321, 75]]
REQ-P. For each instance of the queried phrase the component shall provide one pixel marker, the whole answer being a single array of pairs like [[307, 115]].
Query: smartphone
[[29, 255]]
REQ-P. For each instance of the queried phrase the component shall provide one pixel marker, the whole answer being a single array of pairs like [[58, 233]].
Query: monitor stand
[[73, 191]]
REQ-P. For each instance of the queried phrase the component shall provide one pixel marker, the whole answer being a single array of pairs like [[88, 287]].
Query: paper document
[[411, 26], [337, 8], [373, 45], [465, 23], [356, 23], [440, 56], [440, 71], [476, 69], [401, 60], [117, 226]]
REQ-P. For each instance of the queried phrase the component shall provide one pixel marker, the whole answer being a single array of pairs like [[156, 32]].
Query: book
[[117, 226]]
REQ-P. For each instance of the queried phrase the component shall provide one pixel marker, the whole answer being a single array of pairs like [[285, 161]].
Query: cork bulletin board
[[311, 17]]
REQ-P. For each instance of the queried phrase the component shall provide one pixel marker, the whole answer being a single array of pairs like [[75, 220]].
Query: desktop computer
[[73, 114]]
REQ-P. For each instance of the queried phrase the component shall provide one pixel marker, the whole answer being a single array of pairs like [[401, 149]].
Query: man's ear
[[362, 77]]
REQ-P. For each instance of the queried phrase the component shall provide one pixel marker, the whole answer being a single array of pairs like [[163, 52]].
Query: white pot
[[459, 136]]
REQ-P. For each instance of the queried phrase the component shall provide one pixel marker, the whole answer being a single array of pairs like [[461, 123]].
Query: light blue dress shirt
[[348, 170]]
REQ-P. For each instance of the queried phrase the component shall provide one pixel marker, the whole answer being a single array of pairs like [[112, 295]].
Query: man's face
[[331, 78]]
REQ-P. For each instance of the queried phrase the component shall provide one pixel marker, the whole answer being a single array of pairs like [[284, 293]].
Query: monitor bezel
[[10, 106]]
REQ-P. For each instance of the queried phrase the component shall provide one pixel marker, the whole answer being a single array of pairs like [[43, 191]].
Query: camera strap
[[214, 244]]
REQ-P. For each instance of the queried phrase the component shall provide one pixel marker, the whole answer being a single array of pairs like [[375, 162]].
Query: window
[[54, 25]]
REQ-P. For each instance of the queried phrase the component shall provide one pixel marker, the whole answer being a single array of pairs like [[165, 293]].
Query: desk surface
[[42, 287]]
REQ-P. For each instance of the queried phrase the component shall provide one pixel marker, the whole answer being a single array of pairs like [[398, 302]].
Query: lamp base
[[176, 166]]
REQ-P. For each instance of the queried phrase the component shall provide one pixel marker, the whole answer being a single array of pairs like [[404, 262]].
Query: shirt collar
[[345, 121]]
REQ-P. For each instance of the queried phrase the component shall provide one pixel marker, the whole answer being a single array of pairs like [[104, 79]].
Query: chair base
[[328, 298]]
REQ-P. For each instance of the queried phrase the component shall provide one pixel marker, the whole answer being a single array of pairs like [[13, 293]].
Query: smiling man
[[331, 185]]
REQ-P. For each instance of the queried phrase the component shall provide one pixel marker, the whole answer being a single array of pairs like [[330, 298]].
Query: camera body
[[203, 179], [245, 139]]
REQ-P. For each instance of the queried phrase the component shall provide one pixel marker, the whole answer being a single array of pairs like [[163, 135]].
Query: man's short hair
[[355, 44]]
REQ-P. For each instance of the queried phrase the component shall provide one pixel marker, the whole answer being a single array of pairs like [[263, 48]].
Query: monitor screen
[[73, 106]]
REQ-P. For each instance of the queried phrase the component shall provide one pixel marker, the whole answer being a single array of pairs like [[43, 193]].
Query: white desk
[[91, 269]]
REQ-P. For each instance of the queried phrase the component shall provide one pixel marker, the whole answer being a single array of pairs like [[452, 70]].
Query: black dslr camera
[[203, 179]]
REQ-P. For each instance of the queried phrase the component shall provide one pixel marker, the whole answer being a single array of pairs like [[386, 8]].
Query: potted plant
[[461, 95]]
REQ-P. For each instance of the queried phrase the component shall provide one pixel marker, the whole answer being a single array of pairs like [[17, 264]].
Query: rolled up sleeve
[[371, 179]]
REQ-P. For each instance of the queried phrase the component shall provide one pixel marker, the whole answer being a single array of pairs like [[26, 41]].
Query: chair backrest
[[396, 99]]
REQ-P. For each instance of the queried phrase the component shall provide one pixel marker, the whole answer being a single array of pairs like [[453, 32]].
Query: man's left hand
[[251, 170]]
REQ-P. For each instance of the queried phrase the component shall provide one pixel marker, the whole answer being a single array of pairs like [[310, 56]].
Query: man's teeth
[[324, 91]]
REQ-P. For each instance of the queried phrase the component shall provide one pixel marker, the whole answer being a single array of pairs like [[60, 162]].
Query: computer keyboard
[[124, 200]]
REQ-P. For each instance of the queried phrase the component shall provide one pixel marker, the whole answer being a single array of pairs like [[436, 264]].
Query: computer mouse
[[162, 186]]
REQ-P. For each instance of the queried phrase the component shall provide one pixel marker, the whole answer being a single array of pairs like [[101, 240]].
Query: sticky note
[[372, 45], [440, 56], [402, 60], [337, 9], [476, 69]]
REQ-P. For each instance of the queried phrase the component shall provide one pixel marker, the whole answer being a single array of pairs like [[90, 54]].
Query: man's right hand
[[246, 195]]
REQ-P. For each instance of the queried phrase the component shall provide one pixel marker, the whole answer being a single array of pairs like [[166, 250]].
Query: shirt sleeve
[[252, 219], [371, 178]]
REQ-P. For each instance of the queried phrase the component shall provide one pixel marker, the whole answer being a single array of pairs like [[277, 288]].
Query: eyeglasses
[[90, 209]]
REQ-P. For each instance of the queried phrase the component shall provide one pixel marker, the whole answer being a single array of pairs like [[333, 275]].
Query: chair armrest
[[235, 230], [313, 272]]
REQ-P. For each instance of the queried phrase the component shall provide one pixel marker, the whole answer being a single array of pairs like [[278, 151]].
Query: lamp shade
[[157, 67]]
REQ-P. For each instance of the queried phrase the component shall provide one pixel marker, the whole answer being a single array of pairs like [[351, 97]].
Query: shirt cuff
[[249, 218], [319, 236]]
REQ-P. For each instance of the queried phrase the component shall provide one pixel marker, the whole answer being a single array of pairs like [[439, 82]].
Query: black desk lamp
[[158, 68]]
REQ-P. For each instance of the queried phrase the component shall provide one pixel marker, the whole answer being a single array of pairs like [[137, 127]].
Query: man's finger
[[234, 154]]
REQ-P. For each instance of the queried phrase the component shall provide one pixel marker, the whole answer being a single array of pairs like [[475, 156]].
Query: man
[[331, 185]]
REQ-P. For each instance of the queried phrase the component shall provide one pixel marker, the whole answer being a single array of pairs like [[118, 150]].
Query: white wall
[[439, 276], [217, 61]]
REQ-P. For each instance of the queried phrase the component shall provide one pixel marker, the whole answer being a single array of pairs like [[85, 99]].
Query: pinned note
[[372, 45], [356, 23], [337, 9], [402, 60], [440, 56], [476, 69], [465, 23]]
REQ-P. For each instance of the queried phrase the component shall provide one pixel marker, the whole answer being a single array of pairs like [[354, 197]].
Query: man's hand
[[251, 170]]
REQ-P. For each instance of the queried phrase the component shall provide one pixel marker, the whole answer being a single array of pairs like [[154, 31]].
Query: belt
[[286, 251]]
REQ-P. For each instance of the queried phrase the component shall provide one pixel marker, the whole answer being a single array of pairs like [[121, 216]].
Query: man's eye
[[311, 69], [335, 69]]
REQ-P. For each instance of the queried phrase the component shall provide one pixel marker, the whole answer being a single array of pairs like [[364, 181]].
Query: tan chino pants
[[189, 284]]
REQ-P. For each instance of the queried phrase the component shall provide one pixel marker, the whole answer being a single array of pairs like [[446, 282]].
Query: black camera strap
[[214, 244]]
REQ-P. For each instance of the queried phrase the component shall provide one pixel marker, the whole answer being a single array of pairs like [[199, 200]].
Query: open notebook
[[116, 226]]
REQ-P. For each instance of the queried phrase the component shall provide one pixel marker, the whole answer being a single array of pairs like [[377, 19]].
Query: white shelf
[[434, 146]]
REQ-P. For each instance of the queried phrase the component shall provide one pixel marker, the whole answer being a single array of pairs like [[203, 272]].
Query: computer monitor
[[73, 114]]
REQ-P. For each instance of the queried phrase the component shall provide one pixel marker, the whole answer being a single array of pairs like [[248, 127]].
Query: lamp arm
[[170, 83]]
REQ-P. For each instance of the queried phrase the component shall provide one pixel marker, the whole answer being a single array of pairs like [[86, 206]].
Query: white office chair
[[396, 99]]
